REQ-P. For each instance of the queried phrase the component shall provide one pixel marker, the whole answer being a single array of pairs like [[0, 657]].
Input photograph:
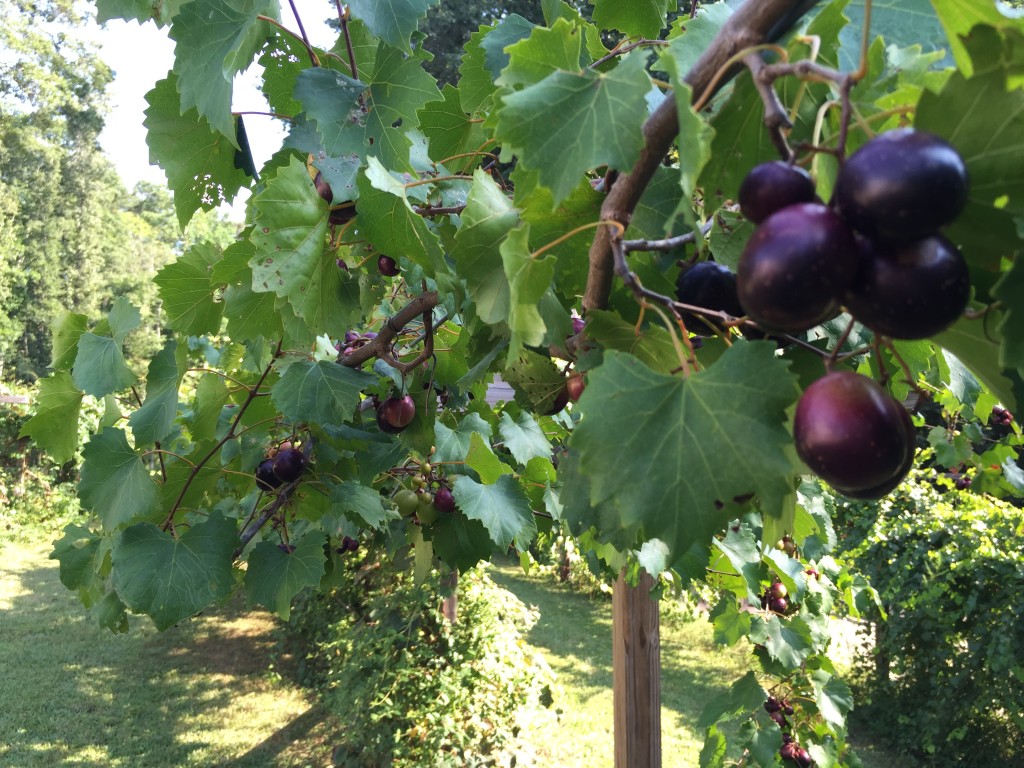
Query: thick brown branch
[[383, 342], [749, 25]]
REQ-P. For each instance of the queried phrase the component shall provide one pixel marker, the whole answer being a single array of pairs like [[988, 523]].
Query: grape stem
[[751, 24], [670, 243], [343, 15], [384, 340]]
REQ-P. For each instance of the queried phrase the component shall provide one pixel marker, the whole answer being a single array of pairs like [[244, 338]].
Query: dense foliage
[[944, 672], [324, 377], [413, 688]]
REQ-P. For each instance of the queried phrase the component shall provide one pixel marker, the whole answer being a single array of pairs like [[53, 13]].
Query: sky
[[140, 55]]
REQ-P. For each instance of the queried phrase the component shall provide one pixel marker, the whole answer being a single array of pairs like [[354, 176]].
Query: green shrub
[[412, 688], [946, 675]]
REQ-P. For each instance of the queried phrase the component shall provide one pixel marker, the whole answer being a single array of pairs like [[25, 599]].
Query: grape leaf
[[730, 623], [460, 542], [65, 331], [972, 342], [79, 553], [957, 18], [712, 754], [122, 319], [640, 18], [360, 500], [788, 640], [486, 220], [215, 40], [109, 612], [323, 393], [387, 219], [508, 31], [393, 21], [171, 579], [1011, 285], [536, 380], [689, 38], [55, 423], [199, 162], [115, 484], [211, 397], [476, 85], [653, 346], [543, 53], [744, 695], [688, 439], [273, 577], [571, 122], [154, 420], [449, 128], [529, 278], [282, 61], [99, 367], [453, 444], [161, 11], [188, 292], [523, 437], [833, 697], [289, 234], [502, 507], [376, 124], [484, 462], [742, 552]]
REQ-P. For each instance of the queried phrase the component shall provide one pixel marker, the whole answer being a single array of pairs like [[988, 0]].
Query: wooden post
[[636, 674]]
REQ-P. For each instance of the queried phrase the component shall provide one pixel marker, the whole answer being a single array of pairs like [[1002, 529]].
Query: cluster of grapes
[[1001, 417], [283, 464], [428, 497], [875, 250], [775, 599], [779, 710]]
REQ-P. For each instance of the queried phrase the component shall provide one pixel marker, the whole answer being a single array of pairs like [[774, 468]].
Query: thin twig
[[343, 18], [668, 244]]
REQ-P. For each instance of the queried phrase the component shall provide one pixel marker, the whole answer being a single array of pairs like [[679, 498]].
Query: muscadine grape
[[853, 434], [444, 500], [387, 266], [777, 590], [710, 285], [770, 187], [289, 464], [323, 188], [266, 480], [395, 414], [796, 267], [909, 292], [901, 186], [406, 501], [778, 605]]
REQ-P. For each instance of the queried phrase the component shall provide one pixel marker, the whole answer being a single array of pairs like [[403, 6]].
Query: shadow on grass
[[72, 693]]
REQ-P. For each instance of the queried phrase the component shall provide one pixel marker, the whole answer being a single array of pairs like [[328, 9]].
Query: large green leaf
[[833, 697], [393, 21], [80, 554], [529, 278], [115, 484], [154, 420], [453, 444], [572, 122], [543, 53], [523, 437], [273, 576], [215, 40], [682, 448], [957, 18], [289, 234], [324, 393], [66, 329], [99, 367], [638, 18], [387, 219], [362, 501], [55, 423], [501, 506], [486, 221], [788, 640], [170, 579], [188, 292], [161, 11], [1010, 287], [450, 130], [744, 695], [973, 343], [199, 161]]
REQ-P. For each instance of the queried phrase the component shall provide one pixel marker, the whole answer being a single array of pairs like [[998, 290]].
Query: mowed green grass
[[72, 694], [200, 694]]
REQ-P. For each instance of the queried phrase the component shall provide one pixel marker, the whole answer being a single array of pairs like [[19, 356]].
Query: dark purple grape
[[266, 480], [387, 266], [323, 188], [289, 464], [778, 605], [777, 590], [770, 187], [396, 413], [910, 292], [901, 186], [444, 500], [853, 434], [709, 285], [796, 267]]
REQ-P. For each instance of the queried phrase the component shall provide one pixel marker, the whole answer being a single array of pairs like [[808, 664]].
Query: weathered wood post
[[636, 674]]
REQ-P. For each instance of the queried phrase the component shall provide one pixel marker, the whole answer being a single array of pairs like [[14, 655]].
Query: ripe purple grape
[[910, 292], [323, 188], [796, 267], [901, 186], [289, 464], [396, 413], [444, 500], [770, 187], [387, 266], [778, 605], [712, 286], [777, 590], [853, 434], [266, 480]]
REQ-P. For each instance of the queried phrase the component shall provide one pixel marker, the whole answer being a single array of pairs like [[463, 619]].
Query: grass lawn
[[201, 693]]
